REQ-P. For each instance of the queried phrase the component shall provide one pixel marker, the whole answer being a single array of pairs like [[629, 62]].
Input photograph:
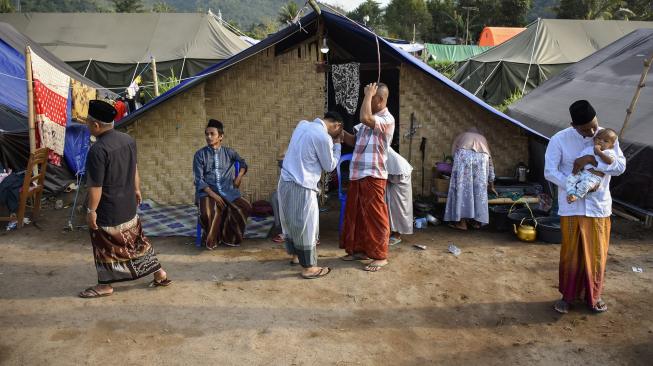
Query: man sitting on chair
[[223, 212]]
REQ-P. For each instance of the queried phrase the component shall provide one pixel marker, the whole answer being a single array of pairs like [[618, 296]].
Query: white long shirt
[[311, 150], [564, 148]]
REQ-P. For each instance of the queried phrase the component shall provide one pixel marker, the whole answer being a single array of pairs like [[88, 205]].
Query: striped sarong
[[583, 256], [223, 221], [299, 214], [122, 252]]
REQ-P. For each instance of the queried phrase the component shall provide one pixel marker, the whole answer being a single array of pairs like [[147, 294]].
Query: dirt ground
[[247, 306]]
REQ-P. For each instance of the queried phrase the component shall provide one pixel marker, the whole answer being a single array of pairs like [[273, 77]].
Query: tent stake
[[640, 85], [30, 99]]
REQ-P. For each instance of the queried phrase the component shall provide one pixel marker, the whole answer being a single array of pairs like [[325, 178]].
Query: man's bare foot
[[160, 279], [294, 261], [96, 291], [315, 272], [355, 257], [376, 265]]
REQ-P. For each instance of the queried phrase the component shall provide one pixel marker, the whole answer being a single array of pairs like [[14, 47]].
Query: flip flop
[[394, 241], [91, 293], [321, 273], [230, 244], [600, 307], [163, 283], [354, 257], [561, 306], [279, 239], [372, 267]]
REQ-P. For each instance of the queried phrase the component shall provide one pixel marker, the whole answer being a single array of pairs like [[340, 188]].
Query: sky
[[352, 4]]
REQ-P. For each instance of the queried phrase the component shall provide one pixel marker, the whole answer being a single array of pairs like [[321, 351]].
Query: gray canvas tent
[[540, 52], [608, 79], [110, 48]]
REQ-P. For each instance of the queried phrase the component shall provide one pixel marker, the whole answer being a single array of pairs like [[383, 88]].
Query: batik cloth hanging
[[346, 85], [50, 107]]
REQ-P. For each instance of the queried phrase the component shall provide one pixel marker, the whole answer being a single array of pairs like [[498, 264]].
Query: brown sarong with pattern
[[223, 221], [123, 253]]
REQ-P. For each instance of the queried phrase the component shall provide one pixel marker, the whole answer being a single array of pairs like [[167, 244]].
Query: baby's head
[[605, 138]]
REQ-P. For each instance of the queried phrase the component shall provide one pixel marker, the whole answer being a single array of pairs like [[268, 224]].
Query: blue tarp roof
[[13, 92], [332, 20]]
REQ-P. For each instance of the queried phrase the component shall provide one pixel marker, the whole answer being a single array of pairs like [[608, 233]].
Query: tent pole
[[87, 66], [640, 85], [155, 78], [30, 99]]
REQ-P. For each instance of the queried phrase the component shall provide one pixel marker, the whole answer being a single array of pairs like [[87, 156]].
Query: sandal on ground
[[279, 239], [163, 283], [561, 306], [211, 247], [230, 244], [321, 273], [354, 257], [374, 267], [92, 292], [394, 241], [600, 307], [454, 226]]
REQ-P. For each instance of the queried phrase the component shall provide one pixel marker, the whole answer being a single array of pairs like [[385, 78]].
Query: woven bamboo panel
[[443, 114], [167, 137], [260, 101]]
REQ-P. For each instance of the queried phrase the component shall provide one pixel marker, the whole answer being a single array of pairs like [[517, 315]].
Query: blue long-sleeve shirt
[[214, 168]]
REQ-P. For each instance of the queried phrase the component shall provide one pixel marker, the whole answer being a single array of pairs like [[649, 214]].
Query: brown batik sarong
[[223, 221], [122, 252]]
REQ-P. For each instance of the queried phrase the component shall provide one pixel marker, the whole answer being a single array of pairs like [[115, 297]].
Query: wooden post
[[155, 77], [30, 100], [640, 85]]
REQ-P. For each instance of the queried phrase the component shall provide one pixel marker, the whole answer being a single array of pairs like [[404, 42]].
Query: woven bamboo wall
[[167, 137], [261, 101], [443, 114]]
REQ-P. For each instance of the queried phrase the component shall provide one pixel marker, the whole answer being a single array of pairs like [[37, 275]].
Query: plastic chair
[[342, 196], [198, 229]]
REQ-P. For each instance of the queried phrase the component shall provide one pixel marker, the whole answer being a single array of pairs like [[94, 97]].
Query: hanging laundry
[[82, 94], [346, 84], [50, 107]]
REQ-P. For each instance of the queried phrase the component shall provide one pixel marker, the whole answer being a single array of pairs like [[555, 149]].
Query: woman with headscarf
[[471, 178]]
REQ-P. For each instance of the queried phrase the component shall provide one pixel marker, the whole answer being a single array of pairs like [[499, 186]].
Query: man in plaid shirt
[[366, 230]]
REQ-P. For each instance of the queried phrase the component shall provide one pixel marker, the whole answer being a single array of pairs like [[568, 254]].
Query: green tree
[[6, 6], [128, 6], [261, 30], [162, 7], [588, 9], [404, 16], [287, 13], [371, 9], [512, 13], [446, 20]]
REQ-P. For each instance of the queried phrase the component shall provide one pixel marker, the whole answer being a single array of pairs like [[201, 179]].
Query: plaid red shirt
[[371, 150]]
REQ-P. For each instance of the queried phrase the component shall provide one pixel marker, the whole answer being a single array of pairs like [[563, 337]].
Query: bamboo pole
[[640, 85], [155, 77], [30, 100]]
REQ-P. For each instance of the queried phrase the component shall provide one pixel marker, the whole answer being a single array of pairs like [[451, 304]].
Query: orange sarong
[[366, 229], [583, 256]]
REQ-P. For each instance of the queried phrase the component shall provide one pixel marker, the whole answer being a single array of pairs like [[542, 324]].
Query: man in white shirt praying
[[585, 222], [314, 146]]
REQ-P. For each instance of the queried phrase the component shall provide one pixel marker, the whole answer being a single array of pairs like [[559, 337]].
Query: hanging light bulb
[[325, 47]]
